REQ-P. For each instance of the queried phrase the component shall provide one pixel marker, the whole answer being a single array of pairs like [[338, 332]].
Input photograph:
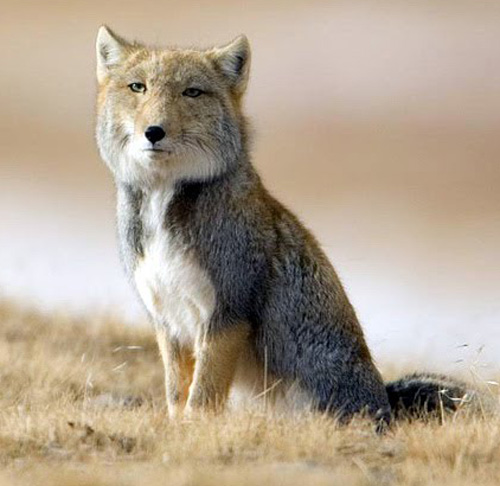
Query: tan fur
[[216, 360], [178, 362], [166, 73]]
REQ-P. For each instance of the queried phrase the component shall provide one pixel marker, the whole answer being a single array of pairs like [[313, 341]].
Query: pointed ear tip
[[105, 32], [242, 39], [240, 44]]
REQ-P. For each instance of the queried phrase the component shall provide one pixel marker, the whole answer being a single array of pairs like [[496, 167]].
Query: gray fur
[[269, 271], [419, 395]]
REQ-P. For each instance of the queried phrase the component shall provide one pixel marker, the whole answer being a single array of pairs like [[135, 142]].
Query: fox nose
[[154, 133]]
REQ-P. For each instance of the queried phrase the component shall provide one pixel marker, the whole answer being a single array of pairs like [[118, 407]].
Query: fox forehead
[[173, 67]]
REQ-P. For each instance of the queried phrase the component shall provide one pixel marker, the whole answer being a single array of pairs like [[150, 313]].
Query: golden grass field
[[82, 404]]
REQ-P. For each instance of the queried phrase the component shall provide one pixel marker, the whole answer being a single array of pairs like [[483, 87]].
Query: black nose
[[154, 133]]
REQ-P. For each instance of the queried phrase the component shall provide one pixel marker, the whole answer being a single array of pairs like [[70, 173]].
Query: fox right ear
[[233, 60], [110, 50]]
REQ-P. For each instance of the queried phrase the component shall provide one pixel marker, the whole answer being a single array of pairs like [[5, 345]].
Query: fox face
[[169, 113]]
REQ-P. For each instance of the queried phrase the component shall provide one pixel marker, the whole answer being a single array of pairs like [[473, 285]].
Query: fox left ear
[[233, 60], [111, 49]]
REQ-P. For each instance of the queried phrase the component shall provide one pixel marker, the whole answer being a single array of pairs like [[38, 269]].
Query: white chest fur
[[176, 291]]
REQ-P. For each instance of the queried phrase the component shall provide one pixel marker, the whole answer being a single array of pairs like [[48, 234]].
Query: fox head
[[170, 114]]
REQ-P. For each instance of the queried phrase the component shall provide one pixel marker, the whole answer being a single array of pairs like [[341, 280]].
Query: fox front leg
[[216, 359], [179, 365]]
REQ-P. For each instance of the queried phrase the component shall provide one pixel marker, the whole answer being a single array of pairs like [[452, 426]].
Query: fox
[[243, 300]]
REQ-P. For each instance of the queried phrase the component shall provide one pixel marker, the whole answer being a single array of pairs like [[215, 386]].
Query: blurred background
[[377, 122]]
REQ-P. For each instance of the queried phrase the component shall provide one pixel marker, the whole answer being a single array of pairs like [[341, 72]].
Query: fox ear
[[233, 60], [110, 50]]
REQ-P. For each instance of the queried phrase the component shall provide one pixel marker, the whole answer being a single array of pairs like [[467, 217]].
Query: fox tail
[[419, 395]]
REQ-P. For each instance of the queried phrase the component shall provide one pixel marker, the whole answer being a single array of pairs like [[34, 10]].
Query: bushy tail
[[426, 394]]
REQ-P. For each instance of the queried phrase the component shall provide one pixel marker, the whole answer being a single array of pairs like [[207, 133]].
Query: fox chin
[[245, 304]]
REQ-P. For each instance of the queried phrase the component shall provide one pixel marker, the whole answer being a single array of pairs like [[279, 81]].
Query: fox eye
[[137, 87], [192, 92]]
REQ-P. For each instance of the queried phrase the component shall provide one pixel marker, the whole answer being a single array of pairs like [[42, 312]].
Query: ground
[[81, 403]]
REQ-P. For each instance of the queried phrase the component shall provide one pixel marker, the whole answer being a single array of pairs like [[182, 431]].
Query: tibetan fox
[[243, 300]]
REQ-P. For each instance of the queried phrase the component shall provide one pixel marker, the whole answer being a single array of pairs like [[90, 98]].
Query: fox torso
[[230, 277]]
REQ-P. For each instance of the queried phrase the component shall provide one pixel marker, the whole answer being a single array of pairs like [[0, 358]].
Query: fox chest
[[174, 288]]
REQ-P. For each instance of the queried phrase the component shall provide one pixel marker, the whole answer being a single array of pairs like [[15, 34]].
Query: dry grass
[[82, 404]]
